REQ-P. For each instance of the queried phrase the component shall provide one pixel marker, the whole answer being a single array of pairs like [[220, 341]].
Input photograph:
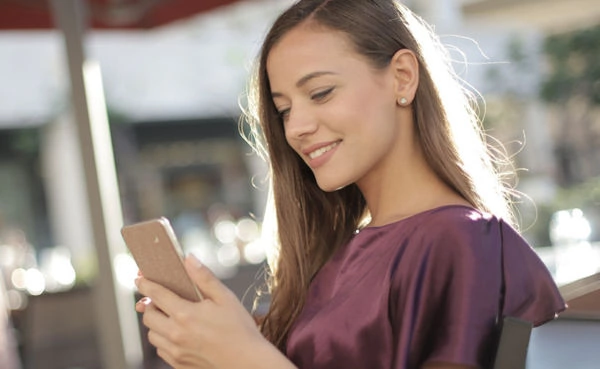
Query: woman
[[395, 242]]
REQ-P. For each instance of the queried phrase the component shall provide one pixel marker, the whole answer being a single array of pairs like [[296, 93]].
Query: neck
[[405, 188]]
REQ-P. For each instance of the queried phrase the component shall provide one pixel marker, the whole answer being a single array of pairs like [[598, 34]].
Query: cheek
[[369, 111], [372, 99]]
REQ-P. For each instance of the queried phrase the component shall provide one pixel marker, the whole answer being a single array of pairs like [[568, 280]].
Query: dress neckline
[[416, 215]]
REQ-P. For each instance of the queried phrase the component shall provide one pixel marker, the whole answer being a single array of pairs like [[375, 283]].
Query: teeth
[[322, 150]]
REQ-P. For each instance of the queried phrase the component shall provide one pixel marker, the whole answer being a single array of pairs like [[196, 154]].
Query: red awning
[[105, 14]]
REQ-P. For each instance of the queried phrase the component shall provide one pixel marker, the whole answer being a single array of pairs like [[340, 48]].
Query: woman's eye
[[321, 94], [283, 114]]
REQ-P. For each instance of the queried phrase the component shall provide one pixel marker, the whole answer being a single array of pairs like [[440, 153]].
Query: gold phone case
[[159, 257]]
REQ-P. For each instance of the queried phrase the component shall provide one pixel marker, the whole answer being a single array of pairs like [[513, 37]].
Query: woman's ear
[[405, 68]]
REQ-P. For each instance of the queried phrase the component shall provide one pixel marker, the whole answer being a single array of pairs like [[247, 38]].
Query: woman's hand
[[215, 333]]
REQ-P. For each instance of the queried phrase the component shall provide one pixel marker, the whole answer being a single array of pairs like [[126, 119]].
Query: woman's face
[[339, 113]]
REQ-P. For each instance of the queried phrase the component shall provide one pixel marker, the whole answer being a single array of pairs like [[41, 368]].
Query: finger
[[162, 344], [140, 306], [209, 285], [162, 297], [155, 320], [170, 351], [167, 357], [163, 347]]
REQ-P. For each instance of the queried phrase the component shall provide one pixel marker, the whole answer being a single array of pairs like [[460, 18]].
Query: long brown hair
[[310, 223]]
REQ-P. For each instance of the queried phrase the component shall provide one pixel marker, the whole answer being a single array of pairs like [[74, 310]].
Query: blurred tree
[[572, 86]]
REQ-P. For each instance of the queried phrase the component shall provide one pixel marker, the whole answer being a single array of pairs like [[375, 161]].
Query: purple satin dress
[[426, 288]]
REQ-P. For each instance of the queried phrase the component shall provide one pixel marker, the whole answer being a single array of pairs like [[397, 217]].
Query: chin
[[331, 186]]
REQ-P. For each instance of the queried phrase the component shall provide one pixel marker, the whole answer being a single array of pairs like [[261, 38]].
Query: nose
[[300, 123]]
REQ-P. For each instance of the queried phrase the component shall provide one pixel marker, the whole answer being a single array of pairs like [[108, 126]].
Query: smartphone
[[159, 257]]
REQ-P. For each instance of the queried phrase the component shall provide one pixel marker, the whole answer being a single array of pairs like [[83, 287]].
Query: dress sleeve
[[531, 293], [446, 300], [445, 303]]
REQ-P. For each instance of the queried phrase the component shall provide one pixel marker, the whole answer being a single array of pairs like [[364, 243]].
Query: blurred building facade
[[194, 72]]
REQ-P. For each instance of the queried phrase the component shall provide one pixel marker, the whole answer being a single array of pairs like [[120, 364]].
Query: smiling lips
[[318, 152]]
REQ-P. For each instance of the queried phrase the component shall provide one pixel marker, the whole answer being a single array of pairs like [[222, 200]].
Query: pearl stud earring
[[403, 101]]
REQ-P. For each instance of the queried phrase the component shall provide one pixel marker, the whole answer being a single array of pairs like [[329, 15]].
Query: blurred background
[[116, 111]]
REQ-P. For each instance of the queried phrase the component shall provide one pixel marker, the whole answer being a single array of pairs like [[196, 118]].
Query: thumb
[[209, 285]]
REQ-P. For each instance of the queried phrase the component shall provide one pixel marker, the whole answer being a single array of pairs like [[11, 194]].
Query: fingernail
[[195, 261], [145, 301]]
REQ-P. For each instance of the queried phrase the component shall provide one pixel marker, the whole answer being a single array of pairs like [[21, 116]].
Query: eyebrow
[[304, 80]]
